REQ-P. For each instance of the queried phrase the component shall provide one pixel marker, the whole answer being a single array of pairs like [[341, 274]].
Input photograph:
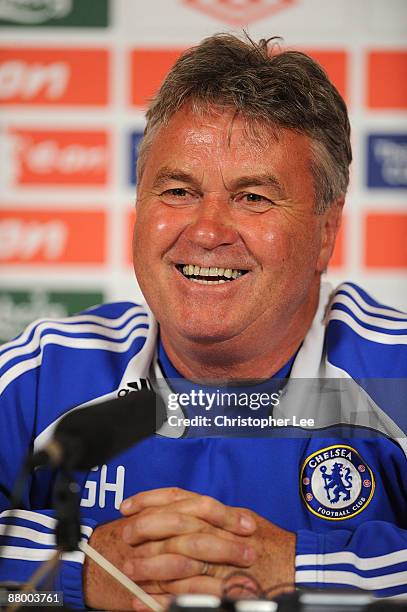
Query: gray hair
[[283, 89]]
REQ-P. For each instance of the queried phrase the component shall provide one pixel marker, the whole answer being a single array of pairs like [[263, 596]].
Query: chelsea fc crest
[[336, 483]]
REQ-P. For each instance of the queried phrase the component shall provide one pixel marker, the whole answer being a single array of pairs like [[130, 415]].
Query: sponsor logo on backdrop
[[239, 12], [53, 76], [76, 13], [387, 161], [32, 13], [385, 240], [149, 67], [19, 308], [26, 240], [51, 157], [51, 237], [135, 138], [386, 82]]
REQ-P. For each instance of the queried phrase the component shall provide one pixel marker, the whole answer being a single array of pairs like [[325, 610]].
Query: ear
[[330, 224]]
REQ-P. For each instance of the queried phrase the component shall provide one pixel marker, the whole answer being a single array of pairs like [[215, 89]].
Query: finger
[[152, 587], [212, 548], [240, 585], [148, 549], [197, 584], [162, 600], [153, 548], [151, 526], [168, 566], [234, 520], [155, 497]]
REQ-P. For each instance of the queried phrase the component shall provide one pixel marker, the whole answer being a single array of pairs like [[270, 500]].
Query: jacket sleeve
[[27, 540], [372, 557], [27, 535]]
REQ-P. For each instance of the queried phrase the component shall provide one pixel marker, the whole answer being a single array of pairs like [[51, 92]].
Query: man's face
[[214, 204]]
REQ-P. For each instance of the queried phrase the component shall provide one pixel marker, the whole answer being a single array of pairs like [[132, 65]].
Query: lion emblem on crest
[[339, 482]]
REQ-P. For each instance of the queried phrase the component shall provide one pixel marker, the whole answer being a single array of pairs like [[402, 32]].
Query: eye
[[253, 201], [178, 196], [178, 192], [255, 197]]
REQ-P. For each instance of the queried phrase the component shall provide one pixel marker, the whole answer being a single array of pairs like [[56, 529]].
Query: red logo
[[386, 79], [55, 157], [239, 12], [53, 76], [49, 237]]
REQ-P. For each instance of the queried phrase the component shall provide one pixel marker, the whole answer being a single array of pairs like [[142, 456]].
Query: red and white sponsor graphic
[[53, 76], [385, 240], [43, 237], [239, 12], [54, 157], [149, 67], [386, 79]]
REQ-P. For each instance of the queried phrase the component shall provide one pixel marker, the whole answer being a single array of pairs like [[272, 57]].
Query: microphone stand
[[66, 506], [68, 535], [68, 539], [67, 531]]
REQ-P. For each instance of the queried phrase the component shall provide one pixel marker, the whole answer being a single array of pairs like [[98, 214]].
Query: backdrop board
[[75, 77]]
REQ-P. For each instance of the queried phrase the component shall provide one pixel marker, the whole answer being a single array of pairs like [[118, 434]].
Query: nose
[[212, 224]]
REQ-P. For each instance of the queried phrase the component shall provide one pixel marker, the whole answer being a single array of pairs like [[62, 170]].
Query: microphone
[[92, 435]]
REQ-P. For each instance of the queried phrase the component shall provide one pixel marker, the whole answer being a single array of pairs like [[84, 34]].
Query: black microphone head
[[94, 434]]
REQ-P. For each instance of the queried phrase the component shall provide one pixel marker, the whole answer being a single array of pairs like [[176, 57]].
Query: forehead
[[220, 137], [216, 125]]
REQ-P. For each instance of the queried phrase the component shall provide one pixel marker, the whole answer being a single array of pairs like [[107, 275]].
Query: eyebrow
[[259, 180], [166, 174]]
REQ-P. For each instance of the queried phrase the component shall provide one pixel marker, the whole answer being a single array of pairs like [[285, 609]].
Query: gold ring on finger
[[205, 569]]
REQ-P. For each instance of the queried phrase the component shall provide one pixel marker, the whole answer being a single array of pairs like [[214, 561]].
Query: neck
[[252, 355]]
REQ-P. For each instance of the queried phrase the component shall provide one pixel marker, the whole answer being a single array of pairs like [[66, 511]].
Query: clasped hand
[[173, 541]]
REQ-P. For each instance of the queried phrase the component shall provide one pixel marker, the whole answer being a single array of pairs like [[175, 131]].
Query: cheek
[[156, 229], [272, 245], [280, 248]]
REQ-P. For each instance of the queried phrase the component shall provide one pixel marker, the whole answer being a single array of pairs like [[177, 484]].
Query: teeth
[[191, 270], [206, 282]]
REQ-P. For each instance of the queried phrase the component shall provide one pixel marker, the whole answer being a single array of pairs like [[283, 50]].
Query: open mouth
[[209, 276]]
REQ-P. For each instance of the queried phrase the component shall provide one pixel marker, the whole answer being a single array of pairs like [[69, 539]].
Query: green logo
[[54, 13], [19, 308]]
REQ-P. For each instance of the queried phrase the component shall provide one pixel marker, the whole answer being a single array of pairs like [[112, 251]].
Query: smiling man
[[227, 229], [242, 177]]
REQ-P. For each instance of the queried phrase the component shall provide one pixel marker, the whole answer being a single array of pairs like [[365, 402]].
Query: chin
[[204, 333]]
